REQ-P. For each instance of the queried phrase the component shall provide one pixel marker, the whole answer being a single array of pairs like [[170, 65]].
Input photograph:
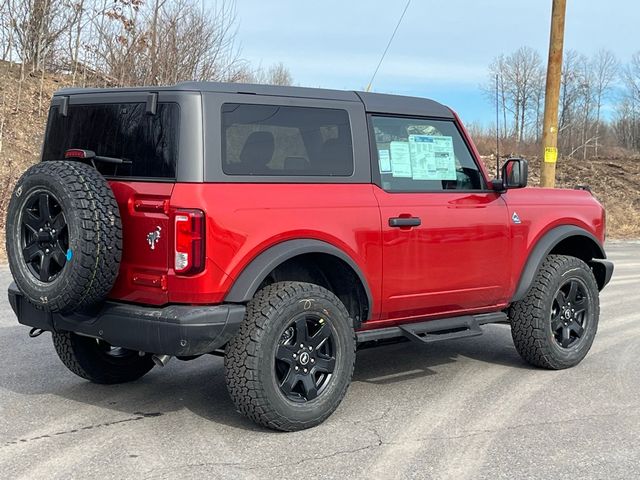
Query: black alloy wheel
[[554, 325], [44, 237], [569, 313], [289, 365], [305, 358]]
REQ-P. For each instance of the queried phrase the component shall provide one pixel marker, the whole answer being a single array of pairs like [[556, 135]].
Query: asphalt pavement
[[469, 408]]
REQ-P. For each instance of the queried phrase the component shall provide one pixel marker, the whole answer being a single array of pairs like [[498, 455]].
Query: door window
[[421, 155]]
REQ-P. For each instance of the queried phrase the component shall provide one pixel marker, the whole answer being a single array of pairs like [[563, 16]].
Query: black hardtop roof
[[373, 102]]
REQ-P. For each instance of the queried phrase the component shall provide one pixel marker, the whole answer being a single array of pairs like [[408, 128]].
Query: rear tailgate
[[158, 134], [144, 208]]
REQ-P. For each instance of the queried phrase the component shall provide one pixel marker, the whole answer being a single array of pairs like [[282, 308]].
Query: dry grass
[[615, 181]]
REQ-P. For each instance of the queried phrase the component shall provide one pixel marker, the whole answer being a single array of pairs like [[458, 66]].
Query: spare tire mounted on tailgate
[[64, 235]]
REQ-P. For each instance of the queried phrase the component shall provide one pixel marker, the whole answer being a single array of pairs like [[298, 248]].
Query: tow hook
[[36, 332], [161, 360]]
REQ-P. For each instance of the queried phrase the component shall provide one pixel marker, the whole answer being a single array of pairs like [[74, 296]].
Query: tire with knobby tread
[[249, 358], [94, 233], [531, 317], [86, 358]]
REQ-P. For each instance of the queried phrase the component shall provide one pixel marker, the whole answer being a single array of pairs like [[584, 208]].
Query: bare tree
[[37, 26], [520, 78], [197, 44], [276, 74], [495, 91], [569, 96], [153, 68], [605, 70], [127, 42], [585, 107], [627, 121], [168, 41]]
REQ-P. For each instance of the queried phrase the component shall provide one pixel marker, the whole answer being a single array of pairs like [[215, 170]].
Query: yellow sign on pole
[[550, 154]]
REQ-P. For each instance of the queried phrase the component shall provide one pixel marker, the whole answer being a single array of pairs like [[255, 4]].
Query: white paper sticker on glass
[[400, 159], [432, 157], [385, 161]]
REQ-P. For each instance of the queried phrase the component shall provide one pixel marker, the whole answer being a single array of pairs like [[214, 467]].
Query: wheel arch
[[563, 240], [331, 266]]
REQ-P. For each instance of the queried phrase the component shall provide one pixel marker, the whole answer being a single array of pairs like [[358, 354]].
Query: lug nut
[[297, 368], [310, 348], [305, 370], [301, 345], [295, 356], [313, 360]]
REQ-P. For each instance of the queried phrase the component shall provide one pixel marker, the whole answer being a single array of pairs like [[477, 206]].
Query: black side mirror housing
[[515, 173]]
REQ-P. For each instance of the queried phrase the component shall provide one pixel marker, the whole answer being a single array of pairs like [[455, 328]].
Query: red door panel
[[457, 259]]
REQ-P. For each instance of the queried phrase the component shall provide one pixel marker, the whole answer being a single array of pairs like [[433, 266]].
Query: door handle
[[404, 222]]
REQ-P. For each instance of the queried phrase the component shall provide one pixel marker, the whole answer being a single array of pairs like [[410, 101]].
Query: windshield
[[120, 130]]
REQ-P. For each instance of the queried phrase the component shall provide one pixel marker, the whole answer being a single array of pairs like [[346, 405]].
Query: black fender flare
[[246, 284], [542, 248]]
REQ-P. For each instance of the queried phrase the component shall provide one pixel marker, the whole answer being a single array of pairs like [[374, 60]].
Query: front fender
[[543, 247]]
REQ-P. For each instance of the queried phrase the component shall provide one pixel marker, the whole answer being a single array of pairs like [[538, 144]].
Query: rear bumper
[[179, 330]]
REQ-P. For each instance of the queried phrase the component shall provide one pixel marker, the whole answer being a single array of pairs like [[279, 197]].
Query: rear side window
[[285, 141], [120, 130]]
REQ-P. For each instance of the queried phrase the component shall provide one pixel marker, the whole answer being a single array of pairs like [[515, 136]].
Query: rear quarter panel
[[244, 219], [540, 210]]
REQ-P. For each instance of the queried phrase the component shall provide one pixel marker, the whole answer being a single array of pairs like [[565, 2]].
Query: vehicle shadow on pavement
[[198, 386], [405, 361]]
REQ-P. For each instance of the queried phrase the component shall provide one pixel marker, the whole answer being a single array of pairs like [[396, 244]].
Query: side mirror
[[515, 173]]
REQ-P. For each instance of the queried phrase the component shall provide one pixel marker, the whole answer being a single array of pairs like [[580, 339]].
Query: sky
[[441, 50]]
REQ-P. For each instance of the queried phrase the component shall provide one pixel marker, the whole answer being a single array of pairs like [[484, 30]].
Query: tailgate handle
[[404, 222]]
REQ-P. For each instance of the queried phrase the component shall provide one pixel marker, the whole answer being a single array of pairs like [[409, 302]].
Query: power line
[[388, 45]]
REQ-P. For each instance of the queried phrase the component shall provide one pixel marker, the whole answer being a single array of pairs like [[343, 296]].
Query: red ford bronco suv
[[282, 227]]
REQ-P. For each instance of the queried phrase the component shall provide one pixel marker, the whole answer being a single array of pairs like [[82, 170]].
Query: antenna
[[497, 131], [388, 45]]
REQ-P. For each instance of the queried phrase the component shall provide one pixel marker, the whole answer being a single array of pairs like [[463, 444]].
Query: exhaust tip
[[161, 360]]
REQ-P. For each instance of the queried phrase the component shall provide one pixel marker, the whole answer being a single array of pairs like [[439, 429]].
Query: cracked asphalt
[[460, 409]]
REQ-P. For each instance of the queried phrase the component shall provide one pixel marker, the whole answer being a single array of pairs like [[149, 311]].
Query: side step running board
[[434, 330]]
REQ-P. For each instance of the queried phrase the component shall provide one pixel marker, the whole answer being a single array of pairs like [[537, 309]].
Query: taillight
[[189, 241]]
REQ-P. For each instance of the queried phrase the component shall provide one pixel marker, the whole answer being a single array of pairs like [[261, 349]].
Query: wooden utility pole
[[552, 95]]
